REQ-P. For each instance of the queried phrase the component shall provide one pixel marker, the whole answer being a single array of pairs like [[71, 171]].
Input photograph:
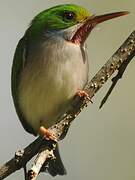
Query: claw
[[49, 135], [83, 94]]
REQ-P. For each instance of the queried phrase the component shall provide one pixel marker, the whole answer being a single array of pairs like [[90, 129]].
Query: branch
[[45, 153], [20, 159], [45, 148], [118, 76]]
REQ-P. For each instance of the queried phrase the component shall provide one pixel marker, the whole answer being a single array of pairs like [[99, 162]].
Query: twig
[[119, 75], [25, 173], [126, 51], [20, 159], [45, 153]]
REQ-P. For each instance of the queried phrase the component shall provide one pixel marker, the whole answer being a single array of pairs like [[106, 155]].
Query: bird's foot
[[47, 134], [83, 94]]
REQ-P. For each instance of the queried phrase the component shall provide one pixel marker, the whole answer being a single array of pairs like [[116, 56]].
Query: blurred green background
[[100, 144]]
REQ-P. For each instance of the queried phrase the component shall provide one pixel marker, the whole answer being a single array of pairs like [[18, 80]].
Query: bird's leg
[[83, 94], [47, 134]]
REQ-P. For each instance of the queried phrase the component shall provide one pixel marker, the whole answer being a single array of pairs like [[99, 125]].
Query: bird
[[50, 67]]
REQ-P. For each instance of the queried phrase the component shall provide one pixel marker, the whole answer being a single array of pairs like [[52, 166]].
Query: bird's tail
[[55, 166]]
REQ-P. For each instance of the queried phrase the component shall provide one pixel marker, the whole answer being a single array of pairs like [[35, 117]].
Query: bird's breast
[[49, 81]]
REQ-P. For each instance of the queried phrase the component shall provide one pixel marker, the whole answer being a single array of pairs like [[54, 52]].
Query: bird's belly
[[48, 94]]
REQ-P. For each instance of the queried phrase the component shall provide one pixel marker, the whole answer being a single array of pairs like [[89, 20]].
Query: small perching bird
[[50, 67]]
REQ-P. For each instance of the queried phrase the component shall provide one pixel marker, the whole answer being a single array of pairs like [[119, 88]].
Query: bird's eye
[[68, 15]]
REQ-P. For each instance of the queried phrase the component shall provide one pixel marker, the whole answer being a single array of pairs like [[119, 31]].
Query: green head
[[62, 17], [58, 18]]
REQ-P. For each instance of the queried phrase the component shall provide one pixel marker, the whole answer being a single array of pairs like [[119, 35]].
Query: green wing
[[17, 67]]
